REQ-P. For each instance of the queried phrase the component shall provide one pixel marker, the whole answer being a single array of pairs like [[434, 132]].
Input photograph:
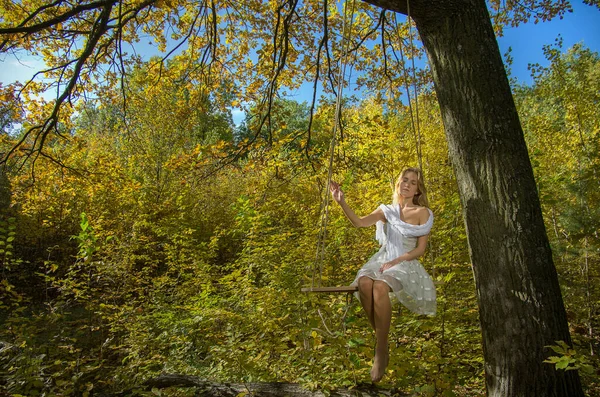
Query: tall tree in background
[[562, 107], [520, 302]]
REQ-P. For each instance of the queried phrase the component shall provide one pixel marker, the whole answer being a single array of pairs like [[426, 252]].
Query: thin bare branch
[[369, 33]]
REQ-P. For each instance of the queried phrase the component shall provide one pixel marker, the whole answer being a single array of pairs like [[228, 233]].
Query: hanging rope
[[417, 130], [414, 115], [324, 219], [321, 239]]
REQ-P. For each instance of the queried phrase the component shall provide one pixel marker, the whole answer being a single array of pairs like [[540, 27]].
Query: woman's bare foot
[[380, 363]]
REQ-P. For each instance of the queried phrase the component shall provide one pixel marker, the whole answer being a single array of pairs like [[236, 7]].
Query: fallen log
[[267, 389]]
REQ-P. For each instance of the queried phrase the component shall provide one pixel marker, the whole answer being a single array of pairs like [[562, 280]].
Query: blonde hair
[[420, 197]]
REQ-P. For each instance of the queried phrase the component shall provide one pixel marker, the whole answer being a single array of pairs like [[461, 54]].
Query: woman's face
[[409, 185]]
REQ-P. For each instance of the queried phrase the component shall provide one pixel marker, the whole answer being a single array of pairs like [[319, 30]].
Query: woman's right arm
[[364, 221]]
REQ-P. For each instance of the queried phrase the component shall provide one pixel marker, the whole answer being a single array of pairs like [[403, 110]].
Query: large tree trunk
[[520, 303]]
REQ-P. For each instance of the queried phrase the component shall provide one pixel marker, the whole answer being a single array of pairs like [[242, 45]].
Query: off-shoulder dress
[[408, 280]]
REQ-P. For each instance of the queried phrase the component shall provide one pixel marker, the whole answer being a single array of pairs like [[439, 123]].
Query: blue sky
[[526, 41]]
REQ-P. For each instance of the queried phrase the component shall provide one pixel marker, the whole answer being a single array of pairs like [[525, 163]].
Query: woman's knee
[[365, 283], [381, 289]]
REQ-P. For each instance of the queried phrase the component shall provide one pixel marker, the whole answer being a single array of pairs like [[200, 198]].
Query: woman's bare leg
[[365, 291], [383, 317]]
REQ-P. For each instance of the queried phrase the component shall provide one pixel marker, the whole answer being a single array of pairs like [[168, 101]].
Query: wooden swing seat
[[345, 288], [330, 290]]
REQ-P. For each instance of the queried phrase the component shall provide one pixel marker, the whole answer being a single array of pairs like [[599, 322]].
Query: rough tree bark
[[520, 302]]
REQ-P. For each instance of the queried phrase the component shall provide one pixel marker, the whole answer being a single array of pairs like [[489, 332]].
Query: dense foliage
[[149, 243]]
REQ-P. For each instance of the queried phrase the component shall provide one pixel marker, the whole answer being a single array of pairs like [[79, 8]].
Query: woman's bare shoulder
[[424, 214]]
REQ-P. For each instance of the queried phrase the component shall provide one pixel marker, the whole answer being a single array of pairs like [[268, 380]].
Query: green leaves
[[568, 359], [86, 239]]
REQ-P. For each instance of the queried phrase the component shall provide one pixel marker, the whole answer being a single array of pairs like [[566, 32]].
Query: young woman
[[402, 230]]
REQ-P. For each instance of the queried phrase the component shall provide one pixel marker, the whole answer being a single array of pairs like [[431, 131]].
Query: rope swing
[[316, 284]]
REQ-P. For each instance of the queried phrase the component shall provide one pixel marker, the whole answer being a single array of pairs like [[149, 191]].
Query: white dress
[[409, 281]]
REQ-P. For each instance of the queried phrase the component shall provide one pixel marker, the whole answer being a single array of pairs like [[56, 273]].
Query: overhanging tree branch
[[41, 131], [21, 28]]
